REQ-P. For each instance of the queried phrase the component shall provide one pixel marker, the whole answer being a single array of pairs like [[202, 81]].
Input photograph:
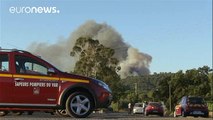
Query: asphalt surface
[[111, 116]]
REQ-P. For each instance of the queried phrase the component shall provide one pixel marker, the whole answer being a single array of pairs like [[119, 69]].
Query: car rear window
[[138, 105], [155, 104], [196, 100]]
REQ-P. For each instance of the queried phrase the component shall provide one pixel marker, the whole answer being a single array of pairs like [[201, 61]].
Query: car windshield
[[155, 104], [196, 100], [138, 105]]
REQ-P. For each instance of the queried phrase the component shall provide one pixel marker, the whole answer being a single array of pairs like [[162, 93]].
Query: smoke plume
[[132, 61]]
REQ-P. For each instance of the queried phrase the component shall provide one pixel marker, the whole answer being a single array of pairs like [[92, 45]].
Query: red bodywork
[[191, 106], [154, 108], [35, 91]]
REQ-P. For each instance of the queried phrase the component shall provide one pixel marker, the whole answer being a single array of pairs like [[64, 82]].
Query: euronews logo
[[34, 10]]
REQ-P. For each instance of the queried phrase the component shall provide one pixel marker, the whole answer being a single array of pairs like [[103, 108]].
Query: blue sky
[[176, 33]]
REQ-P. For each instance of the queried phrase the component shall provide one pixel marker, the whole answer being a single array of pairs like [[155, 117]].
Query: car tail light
[[187, 107], [206, 107], [149, 107]]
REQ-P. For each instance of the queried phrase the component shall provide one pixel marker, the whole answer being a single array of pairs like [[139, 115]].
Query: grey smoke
[[132, 61]]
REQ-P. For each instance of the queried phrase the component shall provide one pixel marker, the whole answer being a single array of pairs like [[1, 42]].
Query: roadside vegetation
[[97, 61], [170, 87]]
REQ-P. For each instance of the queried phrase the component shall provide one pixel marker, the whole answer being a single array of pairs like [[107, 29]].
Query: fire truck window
[[34, 68], [28, 65], [4, 63]]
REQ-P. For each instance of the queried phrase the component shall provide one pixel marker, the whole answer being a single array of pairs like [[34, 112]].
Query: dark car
[[28, 84], [191, 106], [154, 108]]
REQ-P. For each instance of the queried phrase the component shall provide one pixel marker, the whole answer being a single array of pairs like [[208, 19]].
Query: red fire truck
[[29, 83]]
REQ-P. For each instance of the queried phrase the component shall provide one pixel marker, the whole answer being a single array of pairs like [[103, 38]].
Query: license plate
[[198, 113], [155, 111]]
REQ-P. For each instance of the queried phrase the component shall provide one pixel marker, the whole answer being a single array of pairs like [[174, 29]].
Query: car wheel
[[52, 113], [3, 113], [30, 112], [161, 115], [183, 113], [79, 105], [17, 113], [62, 112], [206, 115], [146, 114]]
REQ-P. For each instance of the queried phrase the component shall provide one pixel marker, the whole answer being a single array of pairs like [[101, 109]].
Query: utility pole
[[170, 99], [211, 87], [136, 88], [136, 92]]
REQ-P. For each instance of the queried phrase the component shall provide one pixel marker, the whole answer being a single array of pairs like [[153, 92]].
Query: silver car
[[138, 108]]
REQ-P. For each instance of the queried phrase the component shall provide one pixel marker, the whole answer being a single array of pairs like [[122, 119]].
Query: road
[[111, 116]]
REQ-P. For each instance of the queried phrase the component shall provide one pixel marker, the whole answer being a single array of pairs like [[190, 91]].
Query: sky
[[176, 33]]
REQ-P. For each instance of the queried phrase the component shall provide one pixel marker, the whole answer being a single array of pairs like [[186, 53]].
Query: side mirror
[[51, 71]]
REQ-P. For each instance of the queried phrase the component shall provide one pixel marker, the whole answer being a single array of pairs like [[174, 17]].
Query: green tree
[[211, 85], [199, 81], [97, 61], [193, 82]]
